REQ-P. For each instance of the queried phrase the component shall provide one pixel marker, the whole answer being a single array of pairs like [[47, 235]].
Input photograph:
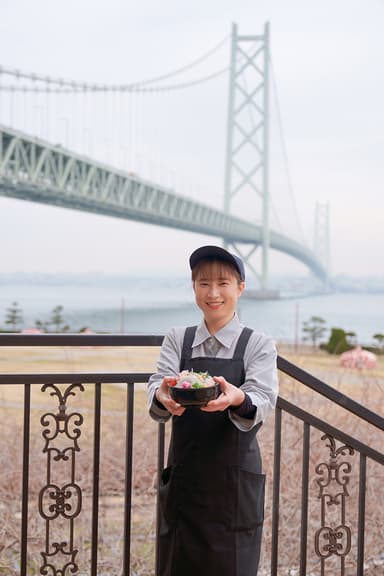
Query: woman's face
[[217, 290]]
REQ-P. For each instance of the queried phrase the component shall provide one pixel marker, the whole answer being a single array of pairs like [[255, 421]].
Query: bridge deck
[[34, 170]]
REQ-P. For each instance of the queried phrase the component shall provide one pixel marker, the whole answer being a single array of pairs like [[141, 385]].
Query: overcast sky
[[328, 61]]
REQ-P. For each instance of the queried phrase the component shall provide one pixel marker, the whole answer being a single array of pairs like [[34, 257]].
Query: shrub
[[337, 343]]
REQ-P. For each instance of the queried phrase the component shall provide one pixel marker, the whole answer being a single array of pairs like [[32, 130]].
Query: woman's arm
[[261, 381], [161, 405]]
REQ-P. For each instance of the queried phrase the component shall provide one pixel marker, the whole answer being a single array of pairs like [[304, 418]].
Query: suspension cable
[[284, 149], [68, 86], [186, 67], [103, 89]]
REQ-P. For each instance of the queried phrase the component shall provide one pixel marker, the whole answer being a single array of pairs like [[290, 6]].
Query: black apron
[[212, 491]]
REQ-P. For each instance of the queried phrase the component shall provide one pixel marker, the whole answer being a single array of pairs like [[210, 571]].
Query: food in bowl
[[191, 388]]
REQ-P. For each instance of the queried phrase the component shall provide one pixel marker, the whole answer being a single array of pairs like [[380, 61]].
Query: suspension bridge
[[33, 168]]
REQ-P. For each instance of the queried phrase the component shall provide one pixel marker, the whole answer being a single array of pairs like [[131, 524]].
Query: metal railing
[[321, 528], [334, 538]]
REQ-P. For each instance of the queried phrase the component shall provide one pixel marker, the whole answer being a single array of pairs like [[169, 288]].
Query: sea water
[[154, 304]]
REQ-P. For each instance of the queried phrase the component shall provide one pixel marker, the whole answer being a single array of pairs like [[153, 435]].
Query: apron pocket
[[167, 495], [246, 499]]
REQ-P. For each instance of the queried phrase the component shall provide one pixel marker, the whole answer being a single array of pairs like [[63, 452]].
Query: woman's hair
[[209, 267]]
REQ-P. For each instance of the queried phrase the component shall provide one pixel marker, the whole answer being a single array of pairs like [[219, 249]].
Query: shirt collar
[[225, 335]]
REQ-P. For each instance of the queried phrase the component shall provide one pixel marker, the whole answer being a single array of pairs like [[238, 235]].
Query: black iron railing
[[335, 534], [328, 536]]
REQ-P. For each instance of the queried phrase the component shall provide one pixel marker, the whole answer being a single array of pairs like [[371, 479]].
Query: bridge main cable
[[64, 86]]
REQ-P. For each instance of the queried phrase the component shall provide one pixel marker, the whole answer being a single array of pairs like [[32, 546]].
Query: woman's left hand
[[230, 396]]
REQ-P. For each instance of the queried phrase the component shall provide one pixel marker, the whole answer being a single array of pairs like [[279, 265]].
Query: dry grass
[[364, 387]]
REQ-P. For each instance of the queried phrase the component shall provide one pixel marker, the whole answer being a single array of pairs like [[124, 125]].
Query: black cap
[[217, 253]]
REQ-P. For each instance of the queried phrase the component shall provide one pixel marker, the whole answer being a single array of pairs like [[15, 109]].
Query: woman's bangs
[[212, 269]]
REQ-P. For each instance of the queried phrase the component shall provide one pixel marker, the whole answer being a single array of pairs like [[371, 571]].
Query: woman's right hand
[[163, 396]]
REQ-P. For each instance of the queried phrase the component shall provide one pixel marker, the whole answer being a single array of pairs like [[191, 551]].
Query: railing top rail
[[76, 377], [331, 430], [156, 340], [81, 339], [331, 393]]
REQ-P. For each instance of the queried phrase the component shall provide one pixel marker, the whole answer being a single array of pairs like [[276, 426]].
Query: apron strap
[[242, 343], [189, 335]]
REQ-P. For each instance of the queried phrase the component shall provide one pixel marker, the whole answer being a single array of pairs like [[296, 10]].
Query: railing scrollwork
[[60, 501], [334, 536]]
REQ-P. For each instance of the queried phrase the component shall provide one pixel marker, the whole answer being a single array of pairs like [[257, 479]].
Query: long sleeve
[[167, 365], [261, 381]]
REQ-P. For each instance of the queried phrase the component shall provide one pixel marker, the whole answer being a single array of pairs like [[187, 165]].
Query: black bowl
[[194, 396]]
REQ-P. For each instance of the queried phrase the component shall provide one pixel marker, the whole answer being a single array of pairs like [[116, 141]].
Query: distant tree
[[40, 325], [57, 319], [314, 329], [380, 340], [14, 315], [337, 343]]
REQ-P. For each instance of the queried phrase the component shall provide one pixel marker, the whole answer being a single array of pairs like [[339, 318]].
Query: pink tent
[[358, 358]]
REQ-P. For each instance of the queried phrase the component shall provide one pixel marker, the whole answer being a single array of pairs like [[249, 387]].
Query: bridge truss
[[32, 169]]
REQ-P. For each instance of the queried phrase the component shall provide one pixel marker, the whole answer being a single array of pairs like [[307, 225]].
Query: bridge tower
[[246, 169]]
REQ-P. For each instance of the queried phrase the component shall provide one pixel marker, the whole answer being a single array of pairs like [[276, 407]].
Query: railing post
[[304, 501], [128, 479], [24, 499], [361, 519], [96, 475], [160, 466], [276, 494]]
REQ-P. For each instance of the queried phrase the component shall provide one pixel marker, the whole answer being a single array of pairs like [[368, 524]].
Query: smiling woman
[[204, 531]]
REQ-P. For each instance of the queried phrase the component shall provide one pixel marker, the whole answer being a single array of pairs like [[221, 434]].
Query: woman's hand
[[163, 396], [230, 396]]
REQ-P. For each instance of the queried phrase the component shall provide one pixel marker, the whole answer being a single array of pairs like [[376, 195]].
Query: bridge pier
[[261, 294]]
